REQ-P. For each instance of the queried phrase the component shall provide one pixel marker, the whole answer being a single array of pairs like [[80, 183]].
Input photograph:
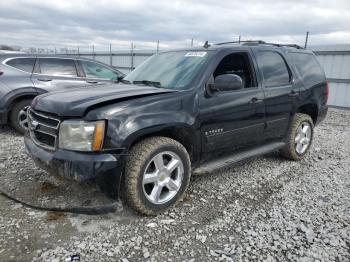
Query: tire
[[296, 148], [143, 180], [19, 112]]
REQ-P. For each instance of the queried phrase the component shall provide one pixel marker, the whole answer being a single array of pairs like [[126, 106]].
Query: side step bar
[[230, 160]]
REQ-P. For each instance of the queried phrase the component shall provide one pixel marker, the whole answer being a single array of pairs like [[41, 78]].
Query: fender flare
[[190, 140], [17, 94]]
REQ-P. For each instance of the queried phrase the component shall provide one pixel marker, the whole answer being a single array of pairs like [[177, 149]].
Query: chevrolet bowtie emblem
[[34, 125]]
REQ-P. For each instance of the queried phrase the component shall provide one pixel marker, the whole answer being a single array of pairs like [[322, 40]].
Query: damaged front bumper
[[106, 168]]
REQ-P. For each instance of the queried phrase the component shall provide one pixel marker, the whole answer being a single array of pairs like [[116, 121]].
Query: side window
[[274, 69], [239, 64], [308, 67], [24, 64], [57, 66], [96, 70]]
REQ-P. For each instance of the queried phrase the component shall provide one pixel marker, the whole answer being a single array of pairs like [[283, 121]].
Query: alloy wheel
[[303, 138], [163, 177], [23, 118]]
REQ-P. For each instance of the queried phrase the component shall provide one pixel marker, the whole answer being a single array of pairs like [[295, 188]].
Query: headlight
[[81, 136]]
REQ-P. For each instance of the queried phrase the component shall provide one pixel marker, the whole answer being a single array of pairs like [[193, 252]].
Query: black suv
[[22, 77], [181, 112]]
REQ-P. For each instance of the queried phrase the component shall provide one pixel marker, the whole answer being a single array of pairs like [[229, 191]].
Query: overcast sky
[[58, 23]]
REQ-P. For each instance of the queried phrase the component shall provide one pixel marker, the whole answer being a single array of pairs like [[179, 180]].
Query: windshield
[[174, 70]]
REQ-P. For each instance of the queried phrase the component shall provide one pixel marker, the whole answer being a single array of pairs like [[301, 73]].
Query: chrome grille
[[43, 129]]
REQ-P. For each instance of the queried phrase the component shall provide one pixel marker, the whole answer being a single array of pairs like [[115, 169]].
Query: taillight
[[327, 93]]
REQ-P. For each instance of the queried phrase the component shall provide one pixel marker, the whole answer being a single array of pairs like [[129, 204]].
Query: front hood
[[75, 102]]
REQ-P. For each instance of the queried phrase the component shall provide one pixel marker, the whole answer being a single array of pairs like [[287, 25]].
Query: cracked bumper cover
[[78, 166]]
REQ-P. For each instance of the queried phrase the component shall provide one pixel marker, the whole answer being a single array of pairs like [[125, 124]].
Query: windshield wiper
[[147, 83], [124, 81]]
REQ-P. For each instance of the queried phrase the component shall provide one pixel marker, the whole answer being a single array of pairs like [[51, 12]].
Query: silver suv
[[22, 77]]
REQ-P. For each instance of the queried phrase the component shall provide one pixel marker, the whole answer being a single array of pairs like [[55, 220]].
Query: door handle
[[255, 100], [44, 79], [293, 93], [92, 82]]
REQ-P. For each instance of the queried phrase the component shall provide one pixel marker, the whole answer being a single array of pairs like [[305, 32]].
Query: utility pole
[[93, 52], [239, 39], [132, 56], [192, 42], [110, 55], [157, 46], [306, 39]]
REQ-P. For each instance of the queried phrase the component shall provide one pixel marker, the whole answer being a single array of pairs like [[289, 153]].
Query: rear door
[[96, 73], [17, 72], [281, 94], [51, 74]]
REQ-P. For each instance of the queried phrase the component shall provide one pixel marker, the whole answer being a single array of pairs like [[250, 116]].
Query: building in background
[[335, 60]]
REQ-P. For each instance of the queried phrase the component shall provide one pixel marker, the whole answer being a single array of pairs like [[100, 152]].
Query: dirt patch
[[51, 216], [47, 187]]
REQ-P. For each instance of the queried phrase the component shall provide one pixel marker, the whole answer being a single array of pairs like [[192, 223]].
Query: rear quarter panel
[[14, 83], [313, 91]]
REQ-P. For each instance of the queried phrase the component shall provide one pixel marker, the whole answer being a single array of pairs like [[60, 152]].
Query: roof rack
[[248, 42], [287, 45], [242, 42]]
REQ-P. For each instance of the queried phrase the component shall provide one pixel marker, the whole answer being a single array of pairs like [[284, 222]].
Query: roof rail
[[247, 42], [242, 42], [287, 45]]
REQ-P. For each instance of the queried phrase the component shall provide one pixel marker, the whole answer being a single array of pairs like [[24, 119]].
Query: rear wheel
[[299, 137], [157, 174], [18, 115]]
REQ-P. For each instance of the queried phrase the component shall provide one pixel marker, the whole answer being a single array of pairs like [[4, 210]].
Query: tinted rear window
[[56, 66], [308, 68], [24, 64], [274, 69]]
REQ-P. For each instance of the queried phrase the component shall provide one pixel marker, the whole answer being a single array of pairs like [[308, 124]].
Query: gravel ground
[[267, 209]]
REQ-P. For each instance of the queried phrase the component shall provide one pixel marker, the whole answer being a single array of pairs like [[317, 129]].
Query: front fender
[[122, 134]]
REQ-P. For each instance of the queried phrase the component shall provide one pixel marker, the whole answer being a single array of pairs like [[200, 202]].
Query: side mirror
[[227, 82], [117, 79]]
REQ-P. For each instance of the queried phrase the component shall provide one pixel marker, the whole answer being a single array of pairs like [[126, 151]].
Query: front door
[[233, 119], [52, 74]]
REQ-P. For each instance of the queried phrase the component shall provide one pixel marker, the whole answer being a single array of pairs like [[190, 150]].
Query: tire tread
[[289, 151], [135, 160]]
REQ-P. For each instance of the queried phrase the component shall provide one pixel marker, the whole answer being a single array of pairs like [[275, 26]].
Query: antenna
[[306, 39], [206, 44]]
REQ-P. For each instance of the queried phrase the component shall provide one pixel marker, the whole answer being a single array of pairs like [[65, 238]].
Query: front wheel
[[299, 137], [18, 116], [157, 174]]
